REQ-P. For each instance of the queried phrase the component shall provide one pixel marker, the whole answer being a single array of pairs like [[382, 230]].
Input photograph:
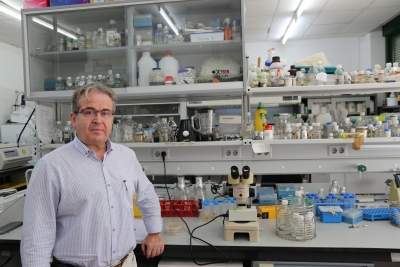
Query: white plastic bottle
[[169, 65], [283, 217], [339, 75], [146, 64]]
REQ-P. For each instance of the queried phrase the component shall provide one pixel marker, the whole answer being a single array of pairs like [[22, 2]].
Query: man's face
[[93, 131]]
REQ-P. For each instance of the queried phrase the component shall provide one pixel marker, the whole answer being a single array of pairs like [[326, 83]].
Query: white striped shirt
[[79, 209]]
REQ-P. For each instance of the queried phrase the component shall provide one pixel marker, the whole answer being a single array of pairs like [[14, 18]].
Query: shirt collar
[[85, 150]]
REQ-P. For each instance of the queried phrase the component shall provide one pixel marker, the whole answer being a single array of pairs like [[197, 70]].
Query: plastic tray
[[186, 208], [376, 214], [344, 206]]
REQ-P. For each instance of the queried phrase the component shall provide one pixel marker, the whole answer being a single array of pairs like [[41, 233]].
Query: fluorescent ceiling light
[[289, 30], [10, 12], [169, 21], [300, 8], [48, 25]]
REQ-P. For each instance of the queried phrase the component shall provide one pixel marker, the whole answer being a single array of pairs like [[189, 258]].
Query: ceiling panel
[[319, 36], [258, 22], [377, 14], [256, 37], [276, 33], [336, 17], [281, 21], [257, 31], [324, 29], [385, 3], [341, 5], [9, 26], [287, 6], [298, 33], [360, 27], [260, 7], [306, 19], [312, 6]]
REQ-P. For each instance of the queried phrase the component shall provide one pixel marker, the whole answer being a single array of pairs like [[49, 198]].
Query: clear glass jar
[[89, 40], [184, 77], [157, 77], [139, 134]]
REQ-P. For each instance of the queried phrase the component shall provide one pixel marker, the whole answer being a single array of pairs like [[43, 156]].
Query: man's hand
[[153, 245]]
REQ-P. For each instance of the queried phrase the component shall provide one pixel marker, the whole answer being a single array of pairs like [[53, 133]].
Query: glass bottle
[[310, 119], [375, 72], [263, 80], [282, 218], [101, 41], [58, 133], [339, 75], [227, 29], [299, 79], [273, 78], [60, 84], [253, 76], [310, 132], [321, 193], [110, 33], [155, 124], [81, 39], [164, 131], [182, 191], [304, 134], [280, 79], [69, 44], [158, 36], [299, 119], [89, 40], [288, 80], [118, 81], [82, 81], [89, 79], [200, 192], [75, 45], [248, 127], [100, 78], [287, 130], [379, 132], [165, 34], [320, 69], [172, 129], [335, 131], [395, 68], [69, 84], [139, 134], [388, 69], [116, 131], [395, 129], [317, 131], [312, 73], [110, 79], [67, 132], [334, 188], [296, 132], [76, 84], [94, 39]]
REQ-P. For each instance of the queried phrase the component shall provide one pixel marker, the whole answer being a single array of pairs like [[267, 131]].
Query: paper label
[[395, 257], [322, 76], [259, 148], [230, 119]]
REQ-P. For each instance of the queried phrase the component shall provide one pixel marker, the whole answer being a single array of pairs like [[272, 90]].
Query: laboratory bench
[[335, 243]]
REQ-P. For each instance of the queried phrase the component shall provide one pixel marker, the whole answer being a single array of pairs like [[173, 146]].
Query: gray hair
[[93, 87]]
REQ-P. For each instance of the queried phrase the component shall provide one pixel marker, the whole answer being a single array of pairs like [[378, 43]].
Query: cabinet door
[[64, 44]]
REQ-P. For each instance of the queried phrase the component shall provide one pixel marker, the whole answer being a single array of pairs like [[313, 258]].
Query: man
[[78, 206]]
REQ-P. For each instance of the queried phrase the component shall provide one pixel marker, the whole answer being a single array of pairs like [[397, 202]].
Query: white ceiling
[[267, 20]]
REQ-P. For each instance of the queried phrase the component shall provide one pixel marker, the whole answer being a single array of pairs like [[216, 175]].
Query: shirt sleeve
[[39, 229], [147, 201]]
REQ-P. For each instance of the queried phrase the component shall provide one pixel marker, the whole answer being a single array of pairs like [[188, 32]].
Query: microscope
[[243, 217]]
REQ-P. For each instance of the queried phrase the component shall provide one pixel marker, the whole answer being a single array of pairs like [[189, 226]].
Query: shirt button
[[112, 207], [114, 251], [108, 184], [114, 230]]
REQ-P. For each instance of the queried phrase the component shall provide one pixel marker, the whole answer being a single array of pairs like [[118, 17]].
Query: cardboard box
[[67, 2], [36, 4]]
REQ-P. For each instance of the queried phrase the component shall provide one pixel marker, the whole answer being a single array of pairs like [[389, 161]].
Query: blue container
[[67, 2], [343, 206], [143, 20], [285, 191], [376, 214], [330, 214], [267, 199], [352, 216]]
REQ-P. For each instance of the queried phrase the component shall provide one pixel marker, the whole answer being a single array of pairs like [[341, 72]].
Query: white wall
[[11, 78]]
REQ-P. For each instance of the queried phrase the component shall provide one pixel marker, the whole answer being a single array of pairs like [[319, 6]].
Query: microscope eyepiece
[[246, 172], [234, 172]]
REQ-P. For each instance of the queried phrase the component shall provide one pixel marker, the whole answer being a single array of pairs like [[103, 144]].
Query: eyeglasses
[[92, 113]]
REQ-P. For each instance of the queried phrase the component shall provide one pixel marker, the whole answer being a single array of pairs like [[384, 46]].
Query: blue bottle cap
[[182, 71], [353, 197], [205, 203], [346, 196], [328, 197], [223, 201], [329, 123], [331, 194], [317, 197], [150, 129], [309, 195], [387, 130], [216, 202], [386, 121], [233, 201], [230, 198], [334, 197]]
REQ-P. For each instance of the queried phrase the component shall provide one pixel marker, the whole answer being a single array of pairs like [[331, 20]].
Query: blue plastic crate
[[377, 214], [330, 214], [343, 206], [285, 191], [143, 20]]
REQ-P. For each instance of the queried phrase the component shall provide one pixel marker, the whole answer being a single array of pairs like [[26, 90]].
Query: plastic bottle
[[329, 129], [304, 134], [60, 84], [388, 69], [169, 65], [310, 119], [58, 134], [139, 134], [223, 206], [260, 117], [146, 65], [110, 79], [158, 35], [69, 84], [67, 131], [298, 119], [375, 72], [155, 124], [248, 127], [395, 68], [320, 69], [282, 218], [296, 131], [395, 129], [206, 210], [334, 188], [253, 76], [339, 75], [311, 74]]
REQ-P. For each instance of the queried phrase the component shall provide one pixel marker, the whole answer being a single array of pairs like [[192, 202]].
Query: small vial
[[223, 207], [388, 132], [304, 132], [206, 210], [216, 209]]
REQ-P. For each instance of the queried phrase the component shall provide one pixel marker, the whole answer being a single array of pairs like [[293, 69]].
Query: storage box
[[267, 199], [267, 212], [67, 2], [36, 4], [285, 191], [352, 216], [206, 37], [331, 214], [143, 20], [186, 208]]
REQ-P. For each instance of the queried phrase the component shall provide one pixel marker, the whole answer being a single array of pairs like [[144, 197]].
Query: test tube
[[216, 208], [328, 199], [206, 210], [353, 201], [233, 204], [334, 199], [223, 206]]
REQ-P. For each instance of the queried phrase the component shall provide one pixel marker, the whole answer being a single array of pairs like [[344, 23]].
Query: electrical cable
[[163, 155], [26, 123], [216, 187], [7, 261], [16, 99]]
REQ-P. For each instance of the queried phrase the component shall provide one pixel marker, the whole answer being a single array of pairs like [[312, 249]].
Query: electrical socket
[[263, 155], [337, 150], [156, 153], [231, 153]]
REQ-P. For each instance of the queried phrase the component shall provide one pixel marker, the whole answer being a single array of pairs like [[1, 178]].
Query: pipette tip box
[[331, 214]]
